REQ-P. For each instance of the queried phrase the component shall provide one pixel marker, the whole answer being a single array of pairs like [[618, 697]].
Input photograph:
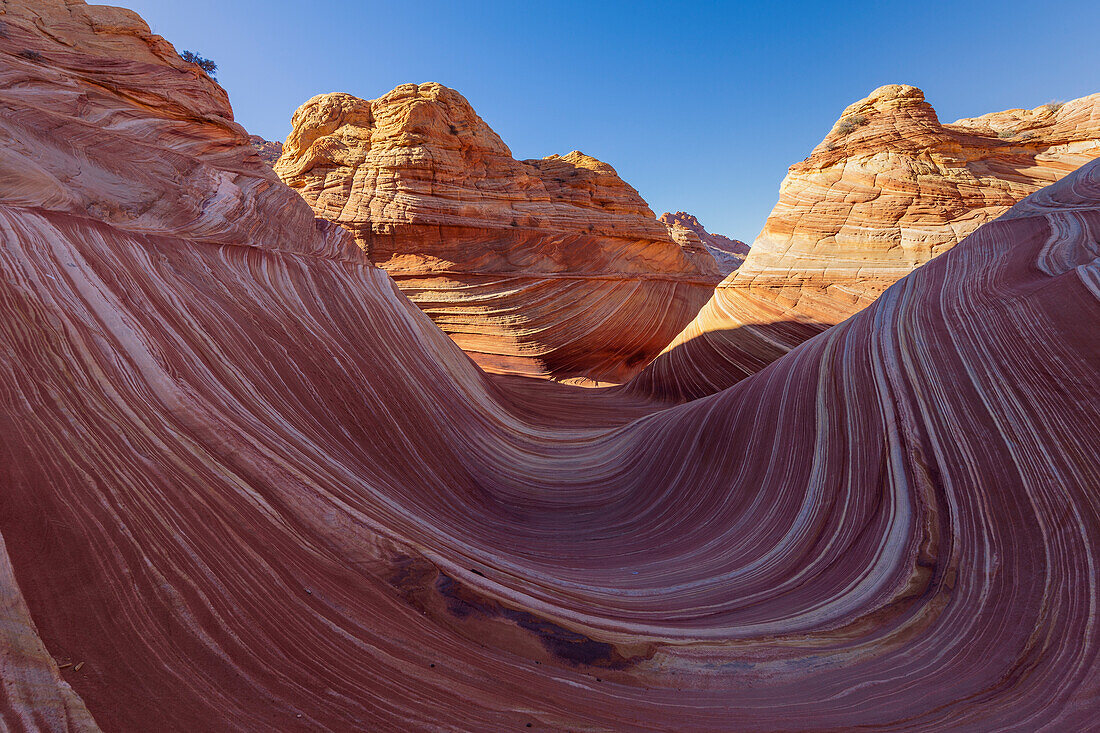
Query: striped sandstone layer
[[553, 267], [888, 189], [248, 486]]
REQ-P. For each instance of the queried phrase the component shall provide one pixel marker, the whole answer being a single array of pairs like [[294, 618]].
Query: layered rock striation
[[247, 485], [551, 267], [889, 188], [684, 228]]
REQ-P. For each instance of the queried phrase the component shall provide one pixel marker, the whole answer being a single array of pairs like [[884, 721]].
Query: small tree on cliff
[[203, 63]]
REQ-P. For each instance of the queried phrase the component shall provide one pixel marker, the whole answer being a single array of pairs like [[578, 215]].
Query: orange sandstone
[[889, 188], [553, 267]]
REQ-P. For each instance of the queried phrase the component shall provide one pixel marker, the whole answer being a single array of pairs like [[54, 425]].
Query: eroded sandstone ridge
[[554, 267], [269, 150], [888, 188], [248, 486], [685, 228]]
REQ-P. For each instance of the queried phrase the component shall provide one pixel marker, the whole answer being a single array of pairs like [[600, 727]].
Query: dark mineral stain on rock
[[570, 646]]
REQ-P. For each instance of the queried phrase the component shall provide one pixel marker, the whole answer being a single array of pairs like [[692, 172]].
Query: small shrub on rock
[[848, 124], [203, 63]]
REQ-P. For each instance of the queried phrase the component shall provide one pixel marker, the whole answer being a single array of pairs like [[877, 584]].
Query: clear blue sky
[[700, 106]]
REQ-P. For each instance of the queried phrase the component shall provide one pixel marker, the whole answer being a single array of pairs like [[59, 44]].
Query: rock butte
[[249, 486], [685, 228], [552, 267], [886, 190]]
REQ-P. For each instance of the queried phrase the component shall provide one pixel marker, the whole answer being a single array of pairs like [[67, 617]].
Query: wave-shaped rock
[[886, 190], [551, 267], [247, 485]]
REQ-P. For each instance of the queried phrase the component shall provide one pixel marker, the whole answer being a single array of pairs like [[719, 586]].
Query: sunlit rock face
[[247, 485], [685, 228], [551, 267], [888, 189]]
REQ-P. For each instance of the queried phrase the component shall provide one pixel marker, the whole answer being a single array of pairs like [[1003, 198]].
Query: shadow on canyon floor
[[706, 364], [717, 360]]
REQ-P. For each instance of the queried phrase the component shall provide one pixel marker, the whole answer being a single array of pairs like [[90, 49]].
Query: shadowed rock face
[[551, 267], [886, 190], [684, 228], [247, 485]]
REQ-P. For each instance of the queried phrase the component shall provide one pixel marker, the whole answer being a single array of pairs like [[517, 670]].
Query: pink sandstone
[[247, 485]]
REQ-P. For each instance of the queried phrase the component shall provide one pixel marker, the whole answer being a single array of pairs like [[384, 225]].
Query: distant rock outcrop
[[269, 150], [888, 188], [729, 253], [552, 267]]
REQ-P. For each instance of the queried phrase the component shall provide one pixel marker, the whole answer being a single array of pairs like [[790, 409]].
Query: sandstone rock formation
[[247, 485], [886, 190], [553, 267], [684, 227], [269, 150]]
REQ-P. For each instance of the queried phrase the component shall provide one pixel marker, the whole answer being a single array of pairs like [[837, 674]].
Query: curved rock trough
[[248, 485]]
